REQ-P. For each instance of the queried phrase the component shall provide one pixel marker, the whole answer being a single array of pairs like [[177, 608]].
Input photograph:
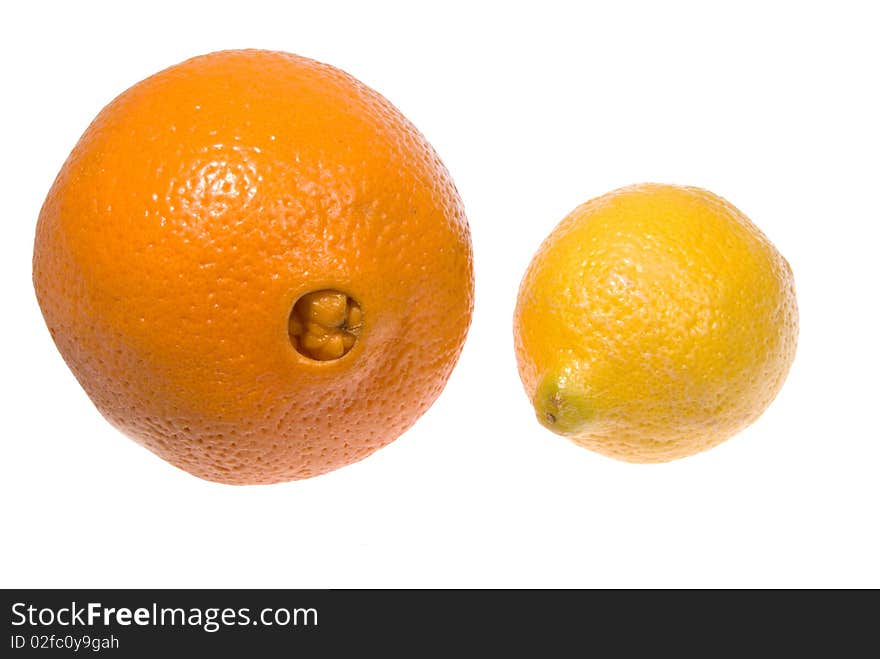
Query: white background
[[534, 109]]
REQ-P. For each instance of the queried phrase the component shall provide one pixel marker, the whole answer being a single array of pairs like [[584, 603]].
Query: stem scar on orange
[[256, 267]]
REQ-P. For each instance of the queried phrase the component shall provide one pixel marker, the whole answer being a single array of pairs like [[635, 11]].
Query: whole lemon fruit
[[256, 267], [654, 322]]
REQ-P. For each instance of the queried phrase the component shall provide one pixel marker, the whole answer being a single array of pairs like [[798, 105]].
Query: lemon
[[655, 322]]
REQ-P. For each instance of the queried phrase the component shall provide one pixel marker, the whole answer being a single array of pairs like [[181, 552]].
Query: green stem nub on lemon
[[562, 406]]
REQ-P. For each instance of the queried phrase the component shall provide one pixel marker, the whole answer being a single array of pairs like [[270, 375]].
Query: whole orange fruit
[[256, 267]]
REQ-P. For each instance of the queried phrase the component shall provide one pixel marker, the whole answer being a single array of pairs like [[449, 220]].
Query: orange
[[256, 267]]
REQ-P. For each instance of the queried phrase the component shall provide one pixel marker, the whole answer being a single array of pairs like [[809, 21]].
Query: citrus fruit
[[654, 322], [256, 267]]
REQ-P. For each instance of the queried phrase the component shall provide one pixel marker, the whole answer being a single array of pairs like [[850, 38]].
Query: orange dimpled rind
[[195, 211]]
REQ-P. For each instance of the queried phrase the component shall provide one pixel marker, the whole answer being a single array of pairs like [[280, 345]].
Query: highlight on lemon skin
[[561, 405], [324, 325]]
